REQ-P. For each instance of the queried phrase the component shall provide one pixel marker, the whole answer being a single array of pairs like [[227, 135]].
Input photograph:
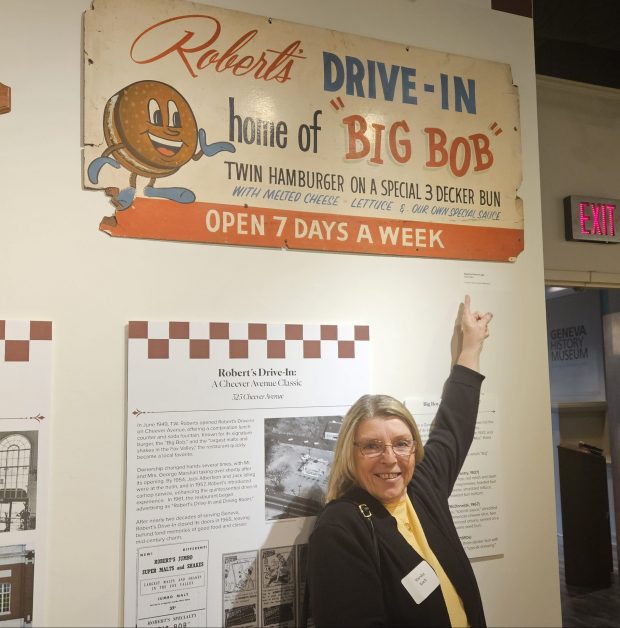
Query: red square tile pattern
[[17, 348], [256, 340]]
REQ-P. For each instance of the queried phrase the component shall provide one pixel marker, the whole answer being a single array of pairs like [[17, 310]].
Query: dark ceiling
[[578, 40]]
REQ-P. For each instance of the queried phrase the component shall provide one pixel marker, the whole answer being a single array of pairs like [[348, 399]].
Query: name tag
[[421, 582]]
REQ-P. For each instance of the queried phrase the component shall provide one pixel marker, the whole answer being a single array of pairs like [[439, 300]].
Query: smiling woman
[[385, 461], [385, 551]]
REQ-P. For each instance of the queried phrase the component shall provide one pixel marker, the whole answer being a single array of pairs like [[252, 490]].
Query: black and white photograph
[[240, 589], [18, 480], [278, 587], [298, 454], [16, 584]]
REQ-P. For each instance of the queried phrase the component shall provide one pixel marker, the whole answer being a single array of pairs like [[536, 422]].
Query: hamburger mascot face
[[150, 130], [151, 127]]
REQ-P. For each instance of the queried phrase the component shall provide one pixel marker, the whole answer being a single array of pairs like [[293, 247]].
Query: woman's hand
[[472, 328]]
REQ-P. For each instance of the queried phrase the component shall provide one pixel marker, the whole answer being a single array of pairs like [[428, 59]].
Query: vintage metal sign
[[208, 125]]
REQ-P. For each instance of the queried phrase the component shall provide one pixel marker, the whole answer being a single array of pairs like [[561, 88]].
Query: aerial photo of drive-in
[[298, 454]]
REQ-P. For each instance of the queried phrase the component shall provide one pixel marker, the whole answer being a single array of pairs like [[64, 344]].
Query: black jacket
[[346, 585]]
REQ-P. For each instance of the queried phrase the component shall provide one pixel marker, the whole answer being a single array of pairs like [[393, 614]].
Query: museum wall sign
[[208, 125]]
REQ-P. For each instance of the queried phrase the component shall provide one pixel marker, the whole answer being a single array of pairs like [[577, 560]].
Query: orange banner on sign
[[257, 226]]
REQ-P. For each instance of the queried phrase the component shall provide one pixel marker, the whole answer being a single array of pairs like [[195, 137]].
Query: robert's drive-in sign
[[208, 125]]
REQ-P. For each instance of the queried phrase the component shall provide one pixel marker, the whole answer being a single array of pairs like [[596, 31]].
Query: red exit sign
[[591, 219]]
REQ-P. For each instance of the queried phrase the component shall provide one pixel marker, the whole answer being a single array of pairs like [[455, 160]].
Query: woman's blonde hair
[[342, 474]]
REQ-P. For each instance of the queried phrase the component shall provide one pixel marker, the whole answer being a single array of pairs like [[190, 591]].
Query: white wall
[[579, 132], [579, 136], [57, 265]]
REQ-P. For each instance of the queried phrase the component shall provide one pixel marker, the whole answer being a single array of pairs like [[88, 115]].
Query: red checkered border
[[18, 349], [238, 348]]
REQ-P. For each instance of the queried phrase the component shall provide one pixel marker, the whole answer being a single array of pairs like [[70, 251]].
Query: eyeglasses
[[374, 448]]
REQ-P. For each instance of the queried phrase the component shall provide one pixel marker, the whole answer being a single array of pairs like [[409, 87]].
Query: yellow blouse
[[409, 526]]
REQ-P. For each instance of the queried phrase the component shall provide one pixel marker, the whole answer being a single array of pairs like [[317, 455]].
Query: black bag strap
[[367, 515]]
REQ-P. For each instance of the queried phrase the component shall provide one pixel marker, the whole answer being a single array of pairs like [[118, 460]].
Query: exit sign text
[[591, 219]]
